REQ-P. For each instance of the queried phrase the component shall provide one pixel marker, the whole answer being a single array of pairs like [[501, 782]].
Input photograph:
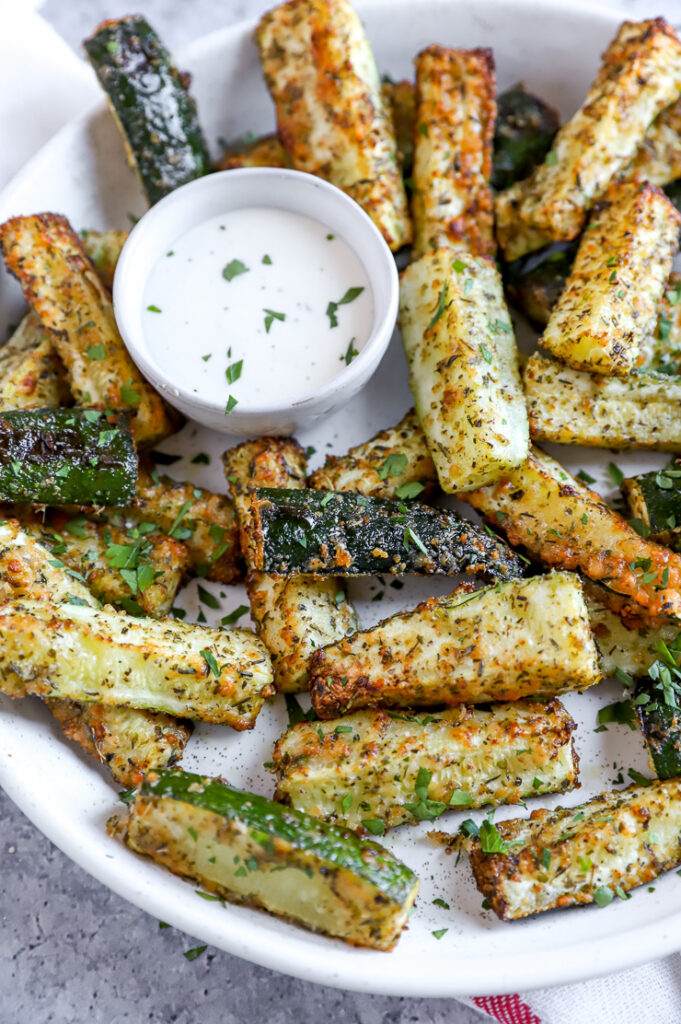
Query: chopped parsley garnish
[[603, 896], [155, 309], [621, 712], [410, 489], [234, 616], [96, 352], [442, 301], [485, 353], [350, 353], [207, 357], [205, 596], [374, 825], [332, 308], [458, 266], [232, 402], [424, 809], [128, 393], [615, 474], [210, 661], [176, 531], [393, 465], [439, 932], [585, 477], [200, 459], [441, 903], [267, 260], [233, 269], [191, 954], [233, 371], [271, 316], [551, 158], [459, 798]]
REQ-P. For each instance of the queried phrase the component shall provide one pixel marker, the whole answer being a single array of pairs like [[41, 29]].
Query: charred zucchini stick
[[393, 768], [86, 654], [655, 499], [524, 130], [127, 740], [394, 463], [31, 374], [528, 638], [205, 522], [331, 115], [61, 284], [251, 850], [463, 367], [560, 521], [151, 105], [608, 310], [570, 406], [581, 854], [264, 152], [134, 569], [66, 457], [320, 532], [534, 283], [639, 77], [293, 615], [455, 116], [104, 248]]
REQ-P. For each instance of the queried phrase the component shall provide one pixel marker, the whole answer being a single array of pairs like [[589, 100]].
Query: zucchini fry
[[561, 522], [395, 463], [658, 159], [319, 533], [138, 572], [535, 282], [400, 100], [525, 128], [250, 850], [60, 282], [87, 654], [31, 373], [205, 522], [527, 638], [608, 309], [331, 115], [575, 855], [463, 368], [293, 615], [570, 406], [639, 77], [151, 105], [619, 647], [455, 117], [655, 499], [263, 152], [104, 248], [371, 765], [129, 741]]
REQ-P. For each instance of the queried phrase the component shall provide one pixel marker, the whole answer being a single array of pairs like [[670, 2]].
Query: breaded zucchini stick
[[293, 615], [463, 367], [87, 654], [31, 374], [603, 319], [654, 498], [453, 134], [61, 284], [519, 639], [129, 740], [575, 855], [630, 650], [394, 463], [570, 406], [104, 248], [639, 77], [331, 115], [266, 151], [544, 509], [658, 158], [204, 521], [371, 764]]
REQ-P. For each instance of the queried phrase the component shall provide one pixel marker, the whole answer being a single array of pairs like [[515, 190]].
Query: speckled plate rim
[[297, 952]]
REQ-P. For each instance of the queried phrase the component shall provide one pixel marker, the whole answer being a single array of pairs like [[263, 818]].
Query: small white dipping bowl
[[222, 192]]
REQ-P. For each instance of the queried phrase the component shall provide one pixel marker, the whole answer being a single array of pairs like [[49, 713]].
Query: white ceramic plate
[[555, 49]]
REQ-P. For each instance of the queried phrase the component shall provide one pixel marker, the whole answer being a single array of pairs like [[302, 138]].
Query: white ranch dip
[[257, 307]]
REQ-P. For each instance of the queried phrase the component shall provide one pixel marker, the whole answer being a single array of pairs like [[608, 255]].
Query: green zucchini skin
[[673, 193], [525, 128], [331, 880], [661, 727], [655, 498], [319, 532], [151, 103], [535, 282], [66, 457]]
